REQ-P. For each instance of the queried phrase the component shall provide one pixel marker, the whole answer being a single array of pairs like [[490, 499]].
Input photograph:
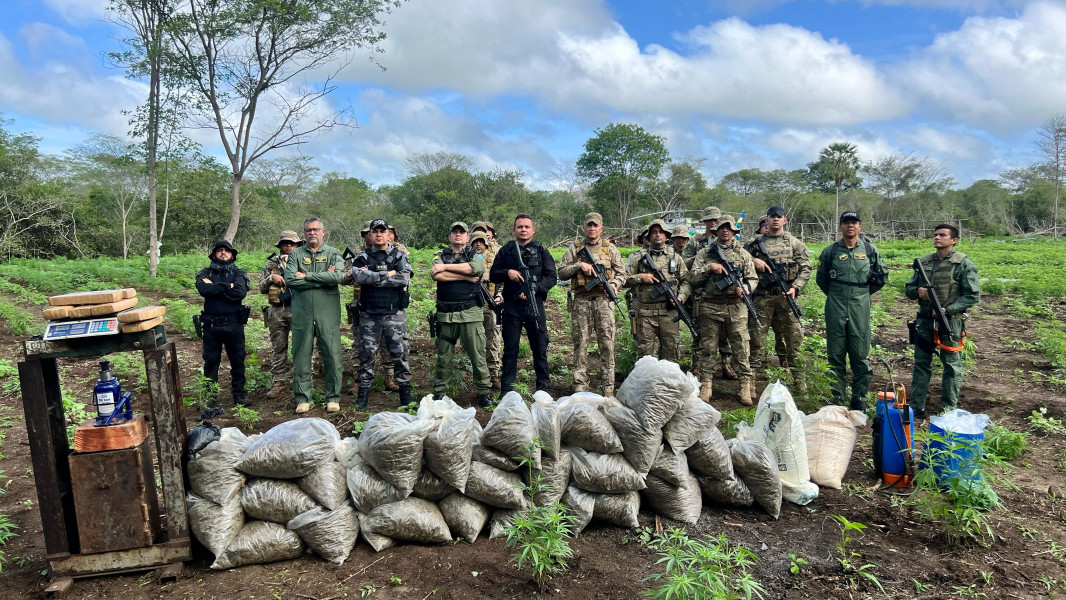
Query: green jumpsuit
[[848, 276], [316, 312], [954, 278]]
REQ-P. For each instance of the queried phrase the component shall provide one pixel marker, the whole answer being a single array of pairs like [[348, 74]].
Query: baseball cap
[[775, 211], [379, 224], [849, 215], [460, 225], [593, 217]]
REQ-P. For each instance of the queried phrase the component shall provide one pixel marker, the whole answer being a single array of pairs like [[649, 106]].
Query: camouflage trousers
[[774, 313], [384, 360], [393, 328], [724, 351], [713, 320], [593, 313], [492, 342], [472, 336], [278, 319], [657, 332]]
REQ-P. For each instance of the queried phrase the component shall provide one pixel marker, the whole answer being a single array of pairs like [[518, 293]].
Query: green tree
[[244, 61], [681, 185], [1052, 143], [114, 169], [837, 164], [619, 160]]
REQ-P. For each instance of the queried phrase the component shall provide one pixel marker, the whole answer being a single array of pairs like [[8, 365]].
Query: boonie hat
[[711, 213], [460, 225], [680, 231], [727, 220], [849, 215], [593, 217], [480, 235], [379, 224], [366, 228], [290, 236], [775, 211], [661, 223]]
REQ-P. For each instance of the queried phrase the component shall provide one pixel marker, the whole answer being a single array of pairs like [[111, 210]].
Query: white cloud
[[998, 73], [43, 39], [945, 143], [805, 144], [78, 12]]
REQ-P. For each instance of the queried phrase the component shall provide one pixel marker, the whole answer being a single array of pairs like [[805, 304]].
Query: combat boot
[[390, 383], [484, 400], [405, 395], [727, 371], [747, 392], [798, 381], [706, 388], [363, 400], [279, 389]]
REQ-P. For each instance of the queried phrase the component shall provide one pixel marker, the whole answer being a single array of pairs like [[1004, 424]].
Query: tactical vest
[[375, 299], [942, 275], [602, 257], [669, 262], [780, 251], [734, 253], [275, 291], [457, 291]]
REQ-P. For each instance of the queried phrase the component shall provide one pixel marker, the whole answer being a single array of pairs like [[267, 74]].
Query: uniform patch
[[860, 256], [843, 257], [832, 273], [320, 259], [307, 260]]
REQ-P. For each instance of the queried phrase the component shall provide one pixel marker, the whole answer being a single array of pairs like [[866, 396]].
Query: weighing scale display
[[78, 329]]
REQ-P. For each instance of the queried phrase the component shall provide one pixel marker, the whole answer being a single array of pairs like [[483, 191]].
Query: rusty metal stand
[[46, 425]]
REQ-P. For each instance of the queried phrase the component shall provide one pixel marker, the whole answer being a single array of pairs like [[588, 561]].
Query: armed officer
[[956, 285], [383, 272], [723, 308], [710, 218], [518, 306], [224, 285], [656, 329], [791, 255], [277, 314], [492, 323], [850, 270], [592, 309]]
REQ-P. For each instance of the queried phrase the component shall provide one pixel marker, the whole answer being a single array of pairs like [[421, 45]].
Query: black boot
[[484, 400], [364, 398], [405, 395]]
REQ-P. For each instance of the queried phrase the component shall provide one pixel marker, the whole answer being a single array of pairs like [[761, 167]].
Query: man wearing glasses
[[313, 273]]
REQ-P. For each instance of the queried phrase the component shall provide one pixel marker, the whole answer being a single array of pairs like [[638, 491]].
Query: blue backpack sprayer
[[893, 438]]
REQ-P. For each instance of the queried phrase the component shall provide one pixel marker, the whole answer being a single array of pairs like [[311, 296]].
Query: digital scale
[[67, 330]]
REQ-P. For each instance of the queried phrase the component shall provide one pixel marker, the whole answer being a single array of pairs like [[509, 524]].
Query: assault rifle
[[733, 276], [486, 297], [940, 317], [601, 278], [776, 277], [665, 288], [349, 254], [527, 287]]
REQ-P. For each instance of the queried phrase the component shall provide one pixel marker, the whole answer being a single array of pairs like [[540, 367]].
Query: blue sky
[[740, 83]]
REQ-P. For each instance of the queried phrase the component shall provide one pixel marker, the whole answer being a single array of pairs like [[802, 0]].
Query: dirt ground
[[912, 558]]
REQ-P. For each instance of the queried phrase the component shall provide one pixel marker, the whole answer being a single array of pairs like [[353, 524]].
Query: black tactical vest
[[376, 299], [458, 291]]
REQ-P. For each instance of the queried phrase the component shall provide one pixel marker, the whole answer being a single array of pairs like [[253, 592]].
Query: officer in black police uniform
[[224, 286]]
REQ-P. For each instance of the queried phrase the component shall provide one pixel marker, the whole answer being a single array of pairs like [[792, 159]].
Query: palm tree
[[843, 161]]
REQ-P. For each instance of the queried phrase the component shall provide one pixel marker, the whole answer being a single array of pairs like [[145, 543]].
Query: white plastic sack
[[681, 503], [830, 435], [329, 534], [392, 444], [554, 476], [754, 463], [604, 473], [260, 542], [465, 516], [617, 509], [585, 426], [292, 449], [691, 421], [449, 444], [546, 422], [779, 425], [581, 505], [326, 484], [961, 421], [726, 492], [346, 450], [510, 429], [640, 445], [502, 518], [494, 487], [214, 525], [710, 456], [493, 458], [212, 471], [655, 389], [274, 500], [430, 487], [370, 490], [377, 542], [412, 520], [670, 466]]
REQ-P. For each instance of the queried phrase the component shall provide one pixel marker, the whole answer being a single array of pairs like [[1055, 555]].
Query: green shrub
[[702, 569]]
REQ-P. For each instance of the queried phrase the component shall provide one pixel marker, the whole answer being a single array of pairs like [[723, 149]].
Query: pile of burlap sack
[[438, 476]]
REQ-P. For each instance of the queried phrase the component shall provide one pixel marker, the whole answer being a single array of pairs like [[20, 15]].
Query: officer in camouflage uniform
[[792, 255], [850, 270], [313, 272], [954, 278], [277, 314], [383, 272], [460, 316], [710, 218], [591, 308], [723, 309], [656, 329], [492, 324], [680, 238], [384, 361]]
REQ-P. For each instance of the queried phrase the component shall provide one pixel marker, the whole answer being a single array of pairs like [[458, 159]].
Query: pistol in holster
[[353, 313], [434, 328], [198, 325]]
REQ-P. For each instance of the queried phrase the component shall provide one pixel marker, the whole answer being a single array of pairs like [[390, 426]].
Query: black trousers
[[513, 323], [231, 337]]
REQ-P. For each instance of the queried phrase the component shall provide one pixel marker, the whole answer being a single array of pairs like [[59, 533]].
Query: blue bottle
[[106, 393]]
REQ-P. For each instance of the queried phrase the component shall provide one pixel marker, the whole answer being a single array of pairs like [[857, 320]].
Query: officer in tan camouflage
[[277, 314], [591, 308], [484, 231], [656, 329]]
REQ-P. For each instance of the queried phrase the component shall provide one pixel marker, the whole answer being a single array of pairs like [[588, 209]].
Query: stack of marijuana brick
[[104, 304]]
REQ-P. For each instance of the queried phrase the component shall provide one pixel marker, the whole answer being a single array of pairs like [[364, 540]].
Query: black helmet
[[222, 244]]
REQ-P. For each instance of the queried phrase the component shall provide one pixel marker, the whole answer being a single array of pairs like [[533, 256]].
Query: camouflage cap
[[711, 213], [479, 236], [486, 225], [594, 218], [460, 225], [366, 228], [662, 225], [680, 231], [290, 236], [727, 220]]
